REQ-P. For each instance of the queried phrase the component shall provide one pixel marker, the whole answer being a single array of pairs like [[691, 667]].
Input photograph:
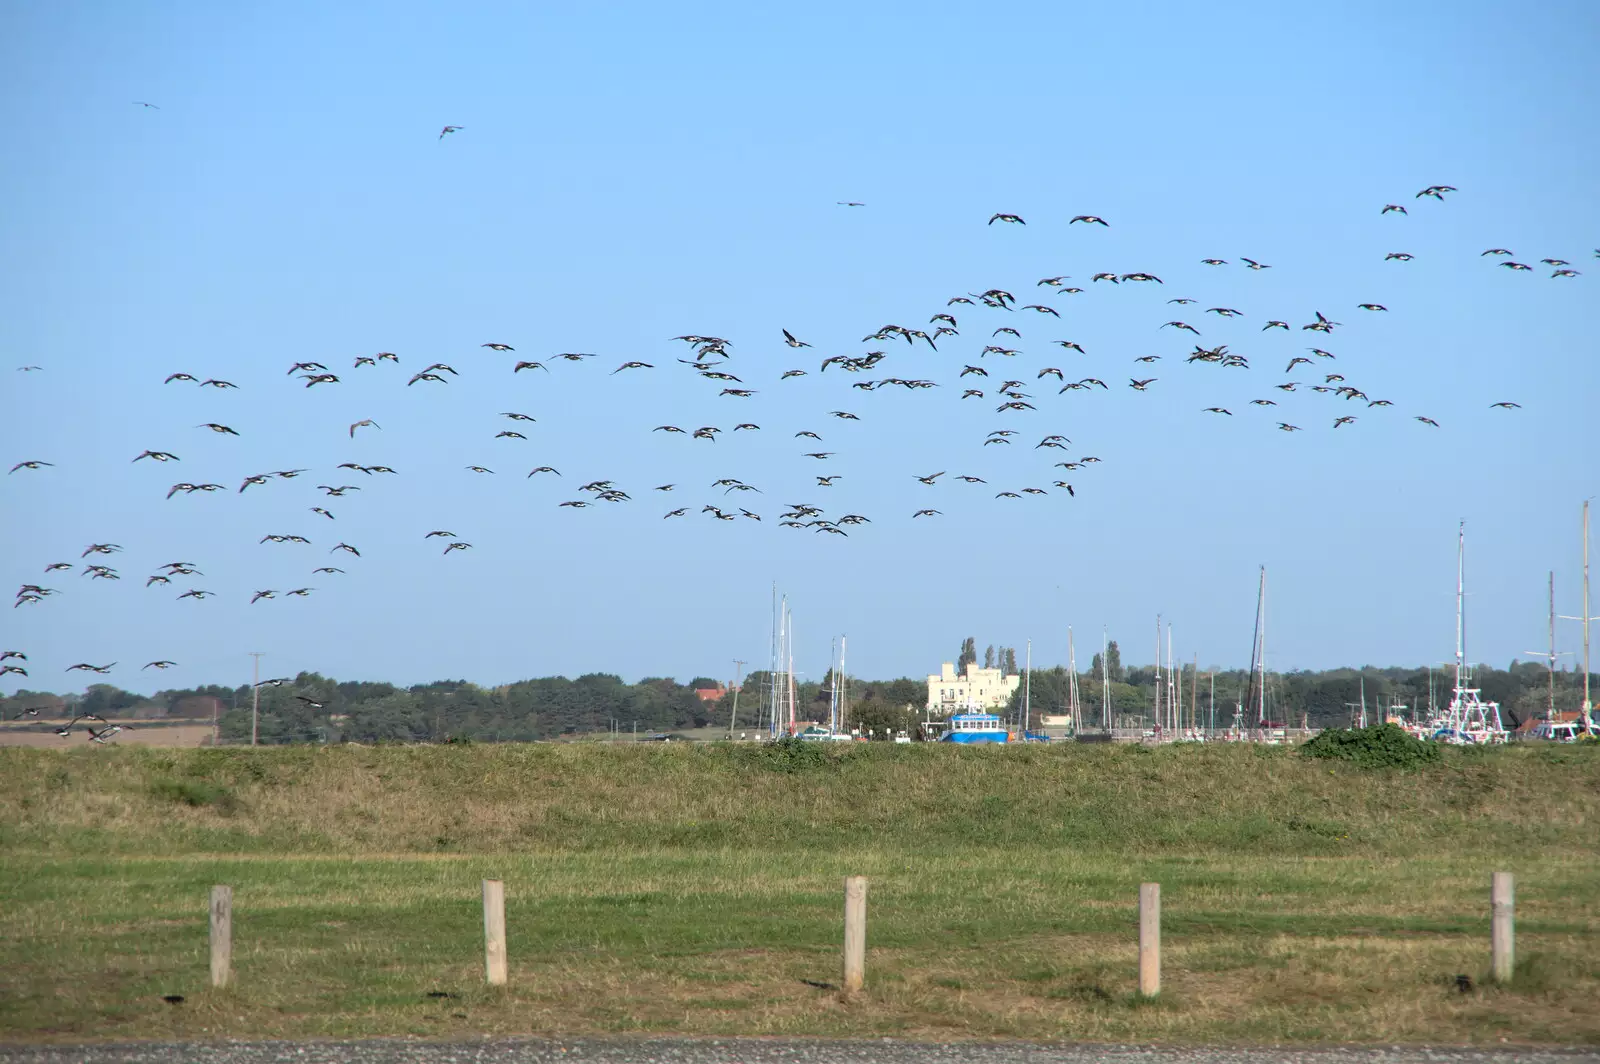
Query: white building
[[952, 692]]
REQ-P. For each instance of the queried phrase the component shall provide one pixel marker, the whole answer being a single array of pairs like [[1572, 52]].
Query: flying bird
[[1092, 219], [359, 424], [1505, 406], [30, 464], [450, 129], [220, 429], [1015, 219], [1387, 207]]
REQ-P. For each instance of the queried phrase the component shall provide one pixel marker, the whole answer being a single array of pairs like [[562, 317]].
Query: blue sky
[[631, 172]]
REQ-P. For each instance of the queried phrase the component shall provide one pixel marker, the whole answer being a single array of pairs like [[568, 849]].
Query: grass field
[[698, 889]]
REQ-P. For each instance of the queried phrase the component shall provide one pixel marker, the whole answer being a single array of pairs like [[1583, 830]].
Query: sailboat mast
[[1105, 679], [832, 687], [1587, 704], [1255, 645], [1262, 610], [1194, 694], [1213, 702], [1027, 689], [1074, 712], [1156, 720], [788, 619], [1174, 685], [1550, 711], [1461, 554], [842, 684]]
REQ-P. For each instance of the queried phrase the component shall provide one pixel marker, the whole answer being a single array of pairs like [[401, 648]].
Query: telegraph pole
[[738, 672], [255, 695]]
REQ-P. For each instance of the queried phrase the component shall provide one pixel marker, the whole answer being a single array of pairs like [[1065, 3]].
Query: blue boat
[[975, 728]]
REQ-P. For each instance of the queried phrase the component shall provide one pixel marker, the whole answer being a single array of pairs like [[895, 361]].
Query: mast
[[1105, 679], [772, 668], [1027, 689], [1174, 687], [1194, 694], [1213, 703], [1156, 719], [1074, 711], [1588, 704], [833, 685], [842, 684], [1587, 617], [1262, 611], [788, 640], [1461, 553], [1550, 712], [1255, 646]]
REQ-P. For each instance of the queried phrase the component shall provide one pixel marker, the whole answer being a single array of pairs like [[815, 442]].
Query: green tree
[[968, 655], [988, 656], [882, 719], [1114, 663], [1009, 661]]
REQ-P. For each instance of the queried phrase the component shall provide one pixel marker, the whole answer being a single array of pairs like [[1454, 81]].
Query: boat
[[975, 728], [821, 733], [1468, 719]]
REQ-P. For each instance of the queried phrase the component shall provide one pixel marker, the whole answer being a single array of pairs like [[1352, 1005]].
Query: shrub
[[196, 793], [1379, 746], [789, 755]]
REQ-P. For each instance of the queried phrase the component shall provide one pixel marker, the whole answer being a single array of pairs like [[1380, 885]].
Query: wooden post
[[1502, 929], [494, 931], [1149, 939], [221, 935], [855, 932]]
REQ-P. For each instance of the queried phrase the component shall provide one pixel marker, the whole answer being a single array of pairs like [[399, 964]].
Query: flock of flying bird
[[989, 377]]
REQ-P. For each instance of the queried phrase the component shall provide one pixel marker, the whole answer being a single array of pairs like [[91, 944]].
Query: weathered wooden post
[[494, 931], [1502, 926], [1149, 939], [221, 935], [855, 932]]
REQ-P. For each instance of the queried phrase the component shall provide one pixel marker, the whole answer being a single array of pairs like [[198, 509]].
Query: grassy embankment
[[695, 889]]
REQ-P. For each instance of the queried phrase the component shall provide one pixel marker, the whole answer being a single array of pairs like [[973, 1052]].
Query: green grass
[[698, 890]]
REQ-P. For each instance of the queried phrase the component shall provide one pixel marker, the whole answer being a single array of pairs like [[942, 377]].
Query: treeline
[[316, 708]]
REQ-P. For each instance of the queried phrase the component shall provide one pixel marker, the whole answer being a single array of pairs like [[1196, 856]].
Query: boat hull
[[974, 737]]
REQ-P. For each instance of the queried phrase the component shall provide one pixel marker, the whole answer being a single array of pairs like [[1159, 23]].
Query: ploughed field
[[697, 889]]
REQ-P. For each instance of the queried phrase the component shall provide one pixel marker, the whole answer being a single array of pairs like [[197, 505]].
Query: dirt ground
[[136, 733]]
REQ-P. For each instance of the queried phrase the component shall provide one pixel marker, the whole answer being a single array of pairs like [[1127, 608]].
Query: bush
[[1379, 746], [788, 754], [195, 793]]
